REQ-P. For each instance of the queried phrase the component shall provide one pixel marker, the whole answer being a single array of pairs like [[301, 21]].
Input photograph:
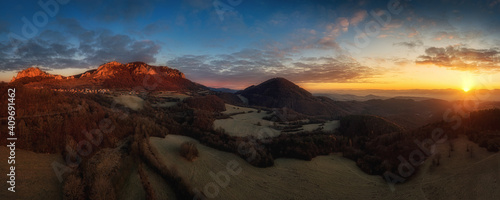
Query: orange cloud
[[462, 58]]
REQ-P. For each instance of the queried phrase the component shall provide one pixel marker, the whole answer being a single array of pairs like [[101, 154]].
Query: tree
[[189, 151]]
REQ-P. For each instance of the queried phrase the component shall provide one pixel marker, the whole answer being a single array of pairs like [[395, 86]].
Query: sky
[[320, 45]]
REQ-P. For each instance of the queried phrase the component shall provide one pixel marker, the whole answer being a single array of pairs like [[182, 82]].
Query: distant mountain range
[[352, 97]]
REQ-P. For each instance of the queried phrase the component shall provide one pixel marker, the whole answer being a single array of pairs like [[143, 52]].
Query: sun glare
[[467, 82]]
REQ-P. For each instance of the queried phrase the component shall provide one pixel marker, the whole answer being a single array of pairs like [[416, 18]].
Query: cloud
[[328, 42], [493, 3], [460, 36], [462, 58], [442, 35], [358, 17], [413, 32], [394, 24], [278, 19], [37, 52], [337, 70], [250, 65], [343, 24], [332, 31], [411, 44], [58, 50]]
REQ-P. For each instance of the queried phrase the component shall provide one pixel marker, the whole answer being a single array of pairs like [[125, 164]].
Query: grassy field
[[35, 178], [131, 101], [460, 175], [335, 177], [248, 121], [172, 94], [328, 126]]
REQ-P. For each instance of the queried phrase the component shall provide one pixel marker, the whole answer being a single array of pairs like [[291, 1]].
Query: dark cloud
[[54, 49], [462, 58], [247, 66], [107, 46], [411, 44], [38, 52]]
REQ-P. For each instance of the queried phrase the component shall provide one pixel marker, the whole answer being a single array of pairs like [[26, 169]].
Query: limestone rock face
[[33, 72], [134, 75], [114, 68]]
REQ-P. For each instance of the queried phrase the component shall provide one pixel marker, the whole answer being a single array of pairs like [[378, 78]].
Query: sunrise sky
[[319, 45]]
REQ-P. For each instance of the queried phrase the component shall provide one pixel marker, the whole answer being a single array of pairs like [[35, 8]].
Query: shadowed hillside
[[279, 93]]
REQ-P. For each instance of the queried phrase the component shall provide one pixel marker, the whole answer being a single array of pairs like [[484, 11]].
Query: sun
[[467, 83]]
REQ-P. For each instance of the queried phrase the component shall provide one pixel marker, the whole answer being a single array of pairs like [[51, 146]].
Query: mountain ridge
[[113, 75]]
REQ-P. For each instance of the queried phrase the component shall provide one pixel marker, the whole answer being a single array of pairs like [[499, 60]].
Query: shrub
[[102, 189], [493, 145], [208, 103], [74, 188], [189, 151]]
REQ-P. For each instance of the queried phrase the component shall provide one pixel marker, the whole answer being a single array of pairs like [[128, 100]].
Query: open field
[[131, 101], [334, 177], [161, 188], [248, 121], [164, 104], [328, 126], [35, 178], [133, 189], [172, 94]]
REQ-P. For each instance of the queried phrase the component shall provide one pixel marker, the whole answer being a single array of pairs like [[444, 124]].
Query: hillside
[[280, 92], [408, 113], [112, 75]]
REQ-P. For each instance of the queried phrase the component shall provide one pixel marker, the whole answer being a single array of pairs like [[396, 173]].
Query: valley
[[269, 137]]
